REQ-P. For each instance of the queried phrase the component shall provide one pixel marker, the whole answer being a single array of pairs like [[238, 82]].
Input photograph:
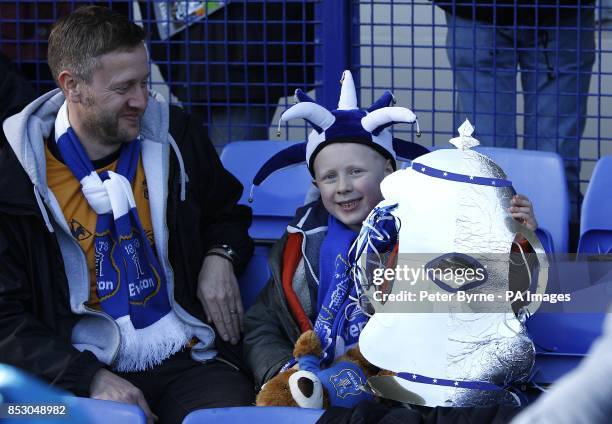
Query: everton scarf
[[340, 319], [131, 284]]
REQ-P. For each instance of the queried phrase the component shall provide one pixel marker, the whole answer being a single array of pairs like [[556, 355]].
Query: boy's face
[[348, 175]]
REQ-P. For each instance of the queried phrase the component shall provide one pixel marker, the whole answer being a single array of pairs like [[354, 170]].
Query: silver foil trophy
[[445, 319]]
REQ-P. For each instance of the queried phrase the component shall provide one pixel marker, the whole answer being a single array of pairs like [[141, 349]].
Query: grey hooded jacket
[[60, 337]]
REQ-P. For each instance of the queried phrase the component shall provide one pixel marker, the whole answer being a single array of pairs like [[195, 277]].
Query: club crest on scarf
[[130, 281], [141, 274]]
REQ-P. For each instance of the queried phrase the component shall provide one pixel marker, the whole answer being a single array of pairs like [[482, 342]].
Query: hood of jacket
[[26, 131], [310, 217], [310, 224]]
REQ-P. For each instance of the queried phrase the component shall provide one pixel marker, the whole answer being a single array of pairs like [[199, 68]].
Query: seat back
[[541, 177], [18, 387], [274, 204], [596, 219], [255, 276], [105, 411], [564, 332], [277, 198], [254, 414], [562, 341]]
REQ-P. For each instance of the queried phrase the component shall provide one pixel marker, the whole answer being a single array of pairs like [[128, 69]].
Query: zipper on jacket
[[95, 312], [278, 286], [89, 309]]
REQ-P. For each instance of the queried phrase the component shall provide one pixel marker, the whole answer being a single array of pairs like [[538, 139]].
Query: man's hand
[[220, 296], [521, 209], [108, 386]]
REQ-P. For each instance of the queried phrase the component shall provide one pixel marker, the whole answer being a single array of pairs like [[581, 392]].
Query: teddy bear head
[[342, 384]]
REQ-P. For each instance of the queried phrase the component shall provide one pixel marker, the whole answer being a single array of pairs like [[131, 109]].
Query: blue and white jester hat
[[347, 124]]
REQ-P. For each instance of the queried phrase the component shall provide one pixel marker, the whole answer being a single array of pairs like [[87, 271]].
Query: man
[[553, 44], [119, 234]]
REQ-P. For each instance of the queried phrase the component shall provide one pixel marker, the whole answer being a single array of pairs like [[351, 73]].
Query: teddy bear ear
[[306, 389]]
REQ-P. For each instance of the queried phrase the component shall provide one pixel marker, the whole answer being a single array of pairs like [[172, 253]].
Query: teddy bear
[[343, 383]]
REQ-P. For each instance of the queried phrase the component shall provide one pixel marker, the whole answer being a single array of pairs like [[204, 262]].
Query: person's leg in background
[[556, 64], [484, 64], [604, 13]]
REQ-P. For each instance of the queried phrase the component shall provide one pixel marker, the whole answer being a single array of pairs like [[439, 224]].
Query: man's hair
[[78, 40]]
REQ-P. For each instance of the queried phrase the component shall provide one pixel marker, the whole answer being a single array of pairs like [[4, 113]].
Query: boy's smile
[[348, 176], [349, 205]]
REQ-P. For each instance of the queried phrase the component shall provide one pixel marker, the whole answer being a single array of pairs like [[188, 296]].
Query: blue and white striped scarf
[[340, 319], [130, 281]]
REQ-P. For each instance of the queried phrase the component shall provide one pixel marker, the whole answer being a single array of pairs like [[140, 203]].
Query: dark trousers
[[181, 385], [376, 413]]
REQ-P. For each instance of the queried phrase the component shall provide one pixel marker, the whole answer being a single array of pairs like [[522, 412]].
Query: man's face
[[116, 97], [348, 176]]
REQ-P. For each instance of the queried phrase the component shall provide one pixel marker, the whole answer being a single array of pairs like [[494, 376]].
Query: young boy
[[348, 154]]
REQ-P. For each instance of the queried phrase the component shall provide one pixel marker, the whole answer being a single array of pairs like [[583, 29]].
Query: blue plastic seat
[[596, 220], [573, 332], [254, 414], [562, 340], [274, 204], [274, 201], [106, 411], [254, 277], [541, 177], [18, 387]]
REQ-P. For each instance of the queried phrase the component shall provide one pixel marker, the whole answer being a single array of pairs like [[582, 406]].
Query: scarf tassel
[[147, 347]]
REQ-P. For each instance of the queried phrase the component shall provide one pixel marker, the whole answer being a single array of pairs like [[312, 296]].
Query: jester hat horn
[[347, 124]]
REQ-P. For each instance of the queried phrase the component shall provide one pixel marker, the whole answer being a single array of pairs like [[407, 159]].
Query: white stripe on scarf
[[144, 348]]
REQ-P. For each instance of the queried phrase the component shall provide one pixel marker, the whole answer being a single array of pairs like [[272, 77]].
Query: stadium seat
[[563, 332], [254, 414], [574, 332], [274, 201], [18, 387], [274, 204], [541, 177], [106, 411], [560, 350], [596, 220], [254, 277]]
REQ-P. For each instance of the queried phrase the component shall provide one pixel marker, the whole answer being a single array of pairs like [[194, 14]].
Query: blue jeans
[[555, 63]]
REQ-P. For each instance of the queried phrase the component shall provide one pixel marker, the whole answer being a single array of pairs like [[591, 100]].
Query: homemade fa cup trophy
[[440, 263]]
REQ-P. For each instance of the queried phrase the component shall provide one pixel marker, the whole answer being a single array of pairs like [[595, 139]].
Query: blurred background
[[237, 63]]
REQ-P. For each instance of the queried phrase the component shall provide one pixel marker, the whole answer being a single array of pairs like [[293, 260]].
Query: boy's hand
[[220, 296], [521, 209]]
